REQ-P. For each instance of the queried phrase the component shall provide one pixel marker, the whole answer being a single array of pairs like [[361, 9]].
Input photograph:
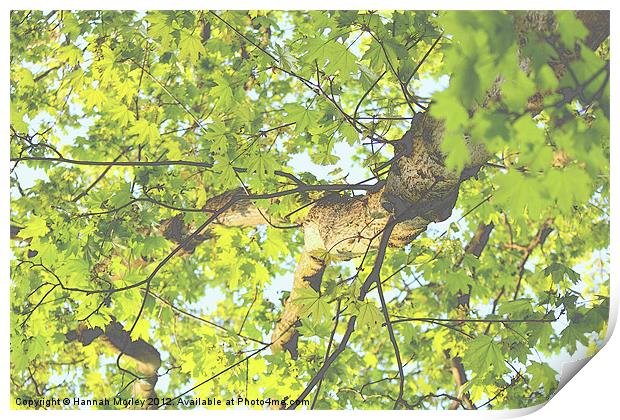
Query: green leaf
[[190, 46], [161, 28], [349, 133], [368, 315], [122, 196], [94, 97], [223, 92], [74, 272], [311, 303], [310, 327], [516, 307], [517, 192], [484, 355], [457, 154], [517, 90], [227, 177], [557, 272], [35, 228], [457, 281], [286, 59], [37, 347], [571, 29], [98, 320], [568, 187], [17, 119], [302, 117], [571, 335], [153, 244], [341, 60], [141, 330], [262, 165], [121, 114], [542, 375], [145, 131], [218, 134]]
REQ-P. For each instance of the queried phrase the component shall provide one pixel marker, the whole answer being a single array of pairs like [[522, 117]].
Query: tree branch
[[373, 277], [147, 358]]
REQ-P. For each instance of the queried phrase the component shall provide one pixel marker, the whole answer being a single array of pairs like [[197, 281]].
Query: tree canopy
[[387, 209]]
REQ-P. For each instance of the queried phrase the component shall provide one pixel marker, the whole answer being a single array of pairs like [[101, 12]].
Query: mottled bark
[[419, 190], [308, 273], [597, 22], [145, 356]]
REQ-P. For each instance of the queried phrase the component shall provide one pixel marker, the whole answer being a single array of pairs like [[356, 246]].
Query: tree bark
[[419, 190], [146, 357]]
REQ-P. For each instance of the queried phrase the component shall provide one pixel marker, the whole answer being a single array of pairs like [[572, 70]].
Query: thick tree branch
[[308, 273], [146, 357], [373, 277]]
